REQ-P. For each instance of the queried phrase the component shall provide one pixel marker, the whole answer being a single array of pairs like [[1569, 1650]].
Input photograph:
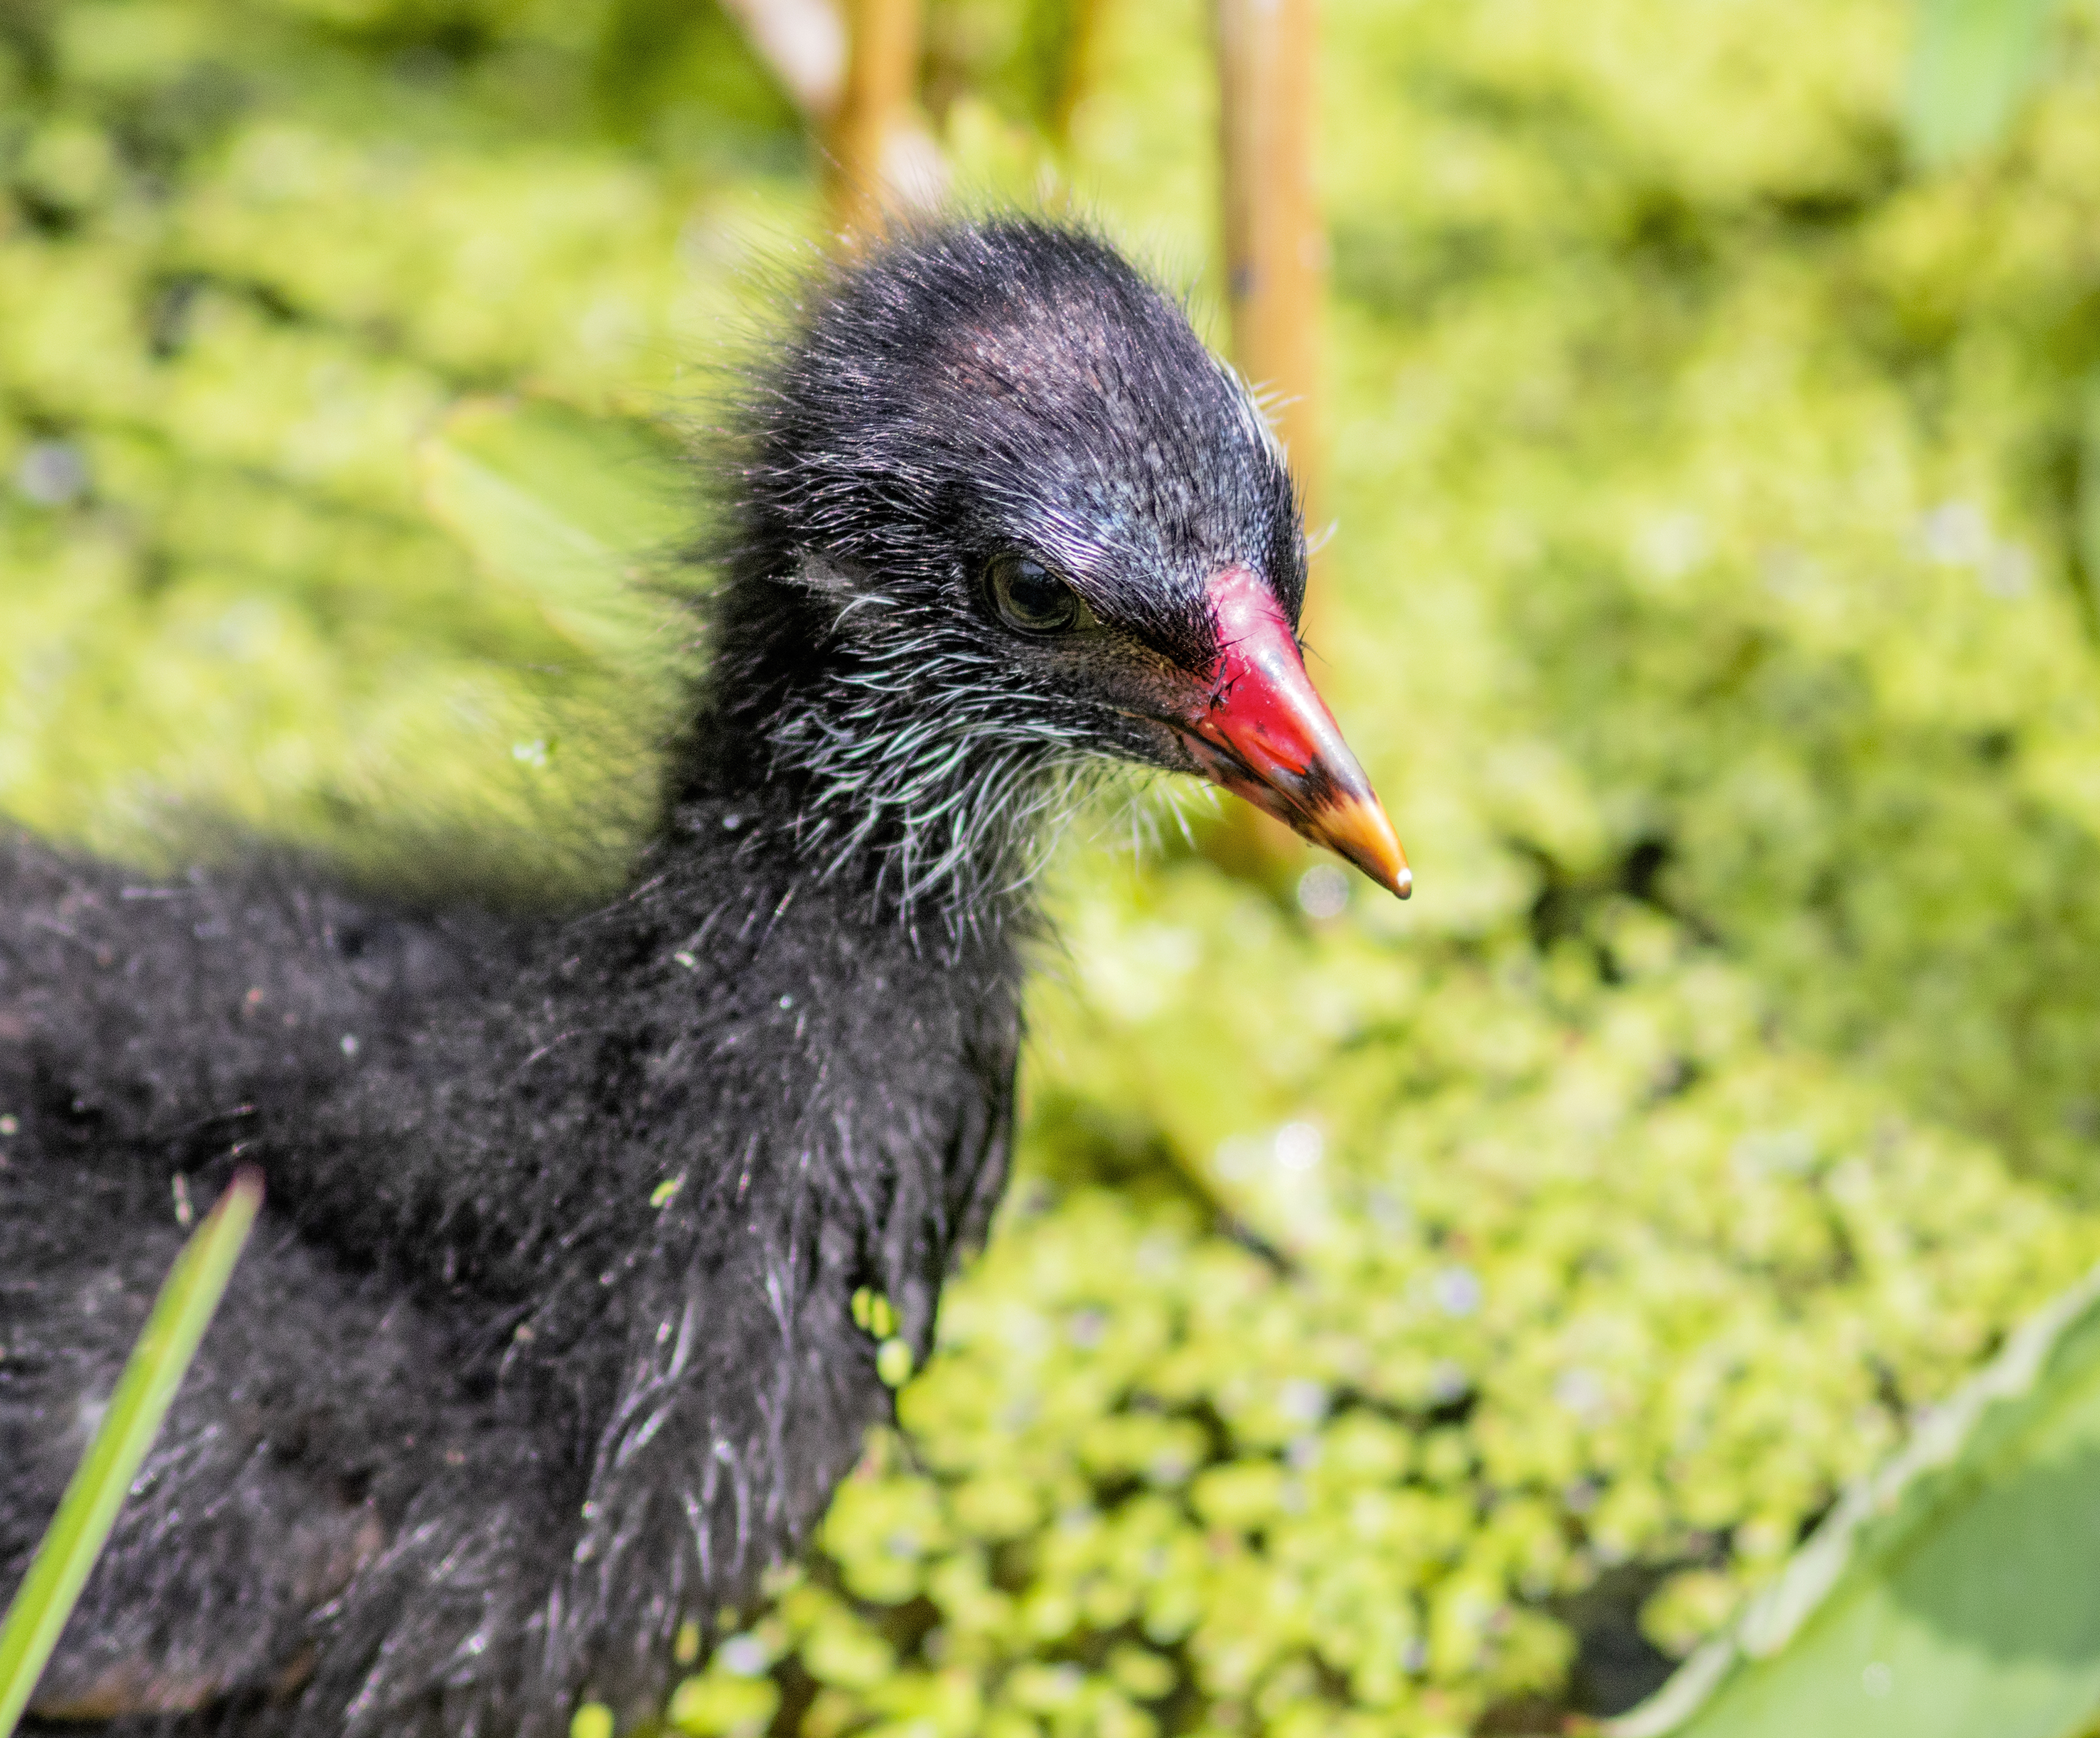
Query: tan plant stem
[[881, 160], [1276, 260]]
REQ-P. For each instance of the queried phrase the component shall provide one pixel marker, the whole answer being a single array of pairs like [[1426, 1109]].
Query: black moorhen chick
[[545, 1343]]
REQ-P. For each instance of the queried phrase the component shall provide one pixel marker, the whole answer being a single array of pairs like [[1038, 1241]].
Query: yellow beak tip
[[1357, 829]]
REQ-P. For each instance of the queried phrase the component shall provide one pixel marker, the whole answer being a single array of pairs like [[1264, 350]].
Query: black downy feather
[[544, 1346]]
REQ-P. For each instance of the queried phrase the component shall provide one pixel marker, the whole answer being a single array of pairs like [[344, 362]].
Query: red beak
[[1263, 733]]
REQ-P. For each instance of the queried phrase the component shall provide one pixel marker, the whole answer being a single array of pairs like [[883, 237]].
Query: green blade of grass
[[1972, 64], [88, 1511], [576, 512], [1950, 1593]]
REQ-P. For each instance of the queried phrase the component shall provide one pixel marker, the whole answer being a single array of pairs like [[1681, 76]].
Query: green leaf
[[1951, 1592], [1971, 63], [89, 1508], [576, 512]]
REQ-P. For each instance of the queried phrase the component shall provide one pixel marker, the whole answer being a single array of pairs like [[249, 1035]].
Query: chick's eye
[[1029, 597]]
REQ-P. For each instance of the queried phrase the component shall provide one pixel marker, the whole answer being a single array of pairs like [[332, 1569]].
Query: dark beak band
[[1263, 733]]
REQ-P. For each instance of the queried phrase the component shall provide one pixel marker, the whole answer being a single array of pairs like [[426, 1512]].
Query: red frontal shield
[[1265, 734]]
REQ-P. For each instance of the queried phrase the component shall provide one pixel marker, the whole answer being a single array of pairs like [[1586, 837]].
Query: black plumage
[[544, 1343]]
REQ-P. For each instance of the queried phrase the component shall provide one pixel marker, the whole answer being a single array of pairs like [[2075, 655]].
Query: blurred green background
[[1407, 1320]]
